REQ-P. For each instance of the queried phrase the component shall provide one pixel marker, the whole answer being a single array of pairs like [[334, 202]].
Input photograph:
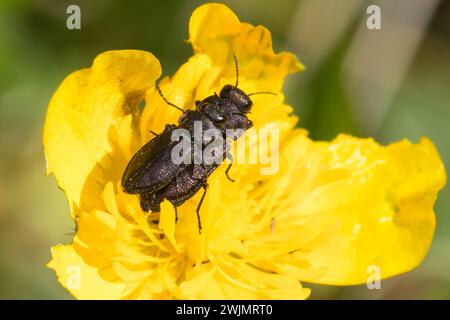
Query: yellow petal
[[365, 206], [167, 223], [83, 110], [216, 31], [239, 281], [82, 280]]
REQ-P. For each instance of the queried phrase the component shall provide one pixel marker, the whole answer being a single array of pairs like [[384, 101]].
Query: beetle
[[154, 175]]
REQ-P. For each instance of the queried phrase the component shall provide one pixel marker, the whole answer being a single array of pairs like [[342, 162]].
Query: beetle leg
[[205, 187], [226, 172], [176, 213], [174, 206], [230, 157]]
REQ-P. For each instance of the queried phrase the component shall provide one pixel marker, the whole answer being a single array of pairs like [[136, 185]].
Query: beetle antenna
[[236, 65], [167, 101], [262, 92]]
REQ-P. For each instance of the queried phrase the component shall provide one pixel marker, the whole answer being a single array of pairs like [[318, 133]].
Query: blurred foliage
[[37, 51]]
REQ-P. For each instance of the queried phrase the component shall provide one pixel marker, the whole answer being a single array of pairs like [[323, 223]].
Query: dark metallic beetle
[[152, 173]]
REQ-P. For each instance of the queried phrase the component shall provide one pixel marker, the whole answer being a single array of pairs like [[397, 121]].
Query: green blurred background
[[391, 83]]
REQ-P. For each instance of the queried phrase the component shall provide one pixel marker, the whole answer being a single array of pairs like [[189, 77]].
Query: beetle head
[[238, 97]]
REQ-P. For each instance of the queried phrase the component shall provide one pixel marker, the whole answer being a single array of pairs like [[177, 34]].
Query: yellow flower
[[333, 209]]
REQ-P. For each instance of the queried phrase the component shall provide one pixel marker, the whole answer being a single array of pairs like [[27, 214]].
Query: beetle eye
[[215, 115], [213, 112], [246, 106]]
